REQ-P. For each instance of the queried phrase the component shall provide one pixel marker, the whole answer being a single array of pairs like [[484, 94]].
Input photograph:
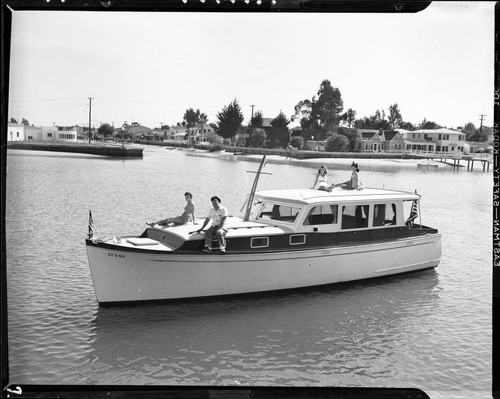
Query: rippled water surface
[[429, 330]]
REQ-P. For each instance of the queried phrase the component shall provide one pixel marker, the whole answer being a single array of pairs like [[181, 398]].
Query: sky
[[151, 67]]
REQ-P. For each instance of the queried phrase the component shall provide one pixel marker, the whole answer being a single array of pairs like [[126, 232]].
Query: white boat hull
[[129, 276]]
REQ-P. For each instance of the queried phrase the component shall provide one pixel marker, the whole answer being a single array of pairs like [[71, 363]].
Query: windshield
[[279, 212]]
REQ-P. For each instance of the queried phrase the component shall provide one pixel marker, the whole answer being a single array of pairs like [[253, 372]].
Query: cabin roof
[[310, 196]]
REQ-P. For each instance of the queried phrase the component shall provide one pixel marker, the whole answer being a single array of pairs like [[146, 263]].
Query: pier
[[108, 150], [454, 159]]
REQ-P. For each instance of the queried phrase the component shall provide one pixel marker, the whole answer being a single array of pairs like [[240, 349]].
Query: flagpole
[[419, 213], [91, 225]]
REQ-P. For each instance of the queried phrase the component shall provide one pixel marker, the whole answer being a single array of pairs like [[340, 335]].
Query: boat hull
[[121, 275]]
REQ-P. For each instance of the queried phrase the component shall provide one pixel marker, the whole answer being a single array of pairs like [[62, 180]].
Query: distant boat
[[288, 238]]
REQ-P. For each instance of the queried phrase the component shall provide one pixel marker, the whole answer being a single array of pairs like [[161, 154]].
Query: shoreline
[[330, 163]]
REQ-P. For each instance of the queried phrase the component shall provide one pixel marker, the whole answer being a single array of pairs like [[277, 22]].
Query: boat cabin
[[321, 211], [294, 219]]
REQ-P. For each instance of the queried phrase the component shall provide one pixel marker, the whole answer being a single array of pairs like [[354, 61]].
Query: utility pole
[[251, 124], [90, 114], [481, 126]]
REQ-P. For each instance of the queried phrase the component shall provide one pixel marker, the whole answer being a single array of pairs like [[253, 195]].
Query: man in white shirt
[[217, 215]]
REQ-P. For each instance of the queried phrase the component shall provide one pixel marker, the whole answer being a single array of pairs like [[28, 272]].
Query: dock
[[454, 159], [107, 150]]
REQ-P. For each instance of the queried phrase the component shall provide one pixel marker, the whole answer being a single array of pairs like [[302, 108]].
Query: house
[[446, 140], [67, 134], [393, 141], [51, 133], [369, 140], [136, 131], [197, 134], [422, 145], [156, 134], [472, 147], [177, 134], [15, 132]]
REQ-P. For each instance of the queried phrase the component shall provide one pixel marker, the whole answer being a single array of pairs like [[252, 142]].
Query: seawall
[[94, 149]]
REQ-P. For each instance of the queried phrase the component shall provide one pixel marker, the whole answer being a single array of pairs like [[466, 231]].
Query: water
[[429, 330]]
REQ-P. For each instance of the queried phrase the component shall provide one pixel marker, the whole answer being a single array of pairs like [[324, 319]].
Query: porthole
[[259, 242], [297, 239]]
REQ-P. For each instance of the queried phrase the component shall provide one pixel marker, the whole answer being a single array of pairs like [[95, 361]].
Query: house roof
[[138, 130], [441, 130], [390, 135], [369, 135]]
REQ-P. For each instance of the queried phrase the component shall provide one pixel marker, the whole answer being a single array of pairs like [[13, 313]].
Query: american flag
[[413, 214], [91, 225]]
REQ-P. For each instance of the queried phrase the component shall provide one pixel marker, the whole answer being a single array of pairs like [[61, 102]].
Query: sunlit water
[[429, 330]]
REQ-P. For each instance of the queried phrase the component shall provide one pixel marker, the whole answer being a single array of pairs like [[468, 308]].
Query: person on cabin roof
[[353, 183], [187, 215], [321, 181], [217, 215]]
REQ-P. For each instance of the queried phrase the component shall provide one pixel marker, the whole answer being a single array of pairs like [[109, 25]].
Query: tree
[[317, 116], [349, 117], [280, 121], [213, 138], [25, 122], [469, 130], [259, 138], [337, 142], [478, 135], [329, 106], [229, 120], [395, 118], [106, 130], [303, 111], [192, 118], [12, 120], [297, 142], [428, 125], [351, 135], [376, 121], [278, 134], [257, 120], [407, 126]]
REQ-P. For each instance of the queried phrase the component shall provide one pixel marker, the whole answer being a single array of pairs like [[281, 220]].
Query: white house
[[50, 133], [197, 134], [446, 140], [15, 132]]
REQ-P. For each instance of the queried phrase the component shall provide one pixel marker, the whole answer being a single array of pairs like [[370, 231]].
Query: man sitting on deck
[[217, 215]]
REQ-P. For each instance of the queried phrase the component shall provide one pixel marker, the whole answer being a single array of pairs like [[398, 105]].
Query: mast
[[254, 187]]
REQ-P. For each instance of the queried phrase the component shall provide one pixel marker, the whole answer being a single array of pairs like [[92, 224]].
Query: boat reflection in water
[[302, 337], [288, 238]]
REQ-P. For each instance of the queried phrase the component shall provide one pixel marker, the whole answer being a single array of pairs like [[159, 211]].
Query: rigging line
[[47, 99]]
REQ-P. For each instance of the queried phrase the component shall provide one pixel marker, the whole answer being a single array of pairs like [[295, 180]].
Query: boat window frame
[[259, 246], [271, 204], [332, 207], [356, 204], [394, 210], [297, 243]]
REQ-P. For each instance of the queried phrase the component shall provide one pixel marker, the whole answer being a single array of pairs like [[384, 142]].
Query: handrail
[[254, 188]]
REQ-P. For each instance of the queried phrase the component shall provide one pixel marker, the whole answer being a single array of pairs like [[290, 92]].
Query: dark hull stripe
[[228, 257]]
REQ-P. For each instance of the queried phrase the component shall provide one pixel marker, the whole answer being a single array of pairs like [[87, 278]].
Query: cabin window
[[355, 216], [297, 239], [322, 214], [384, 214], [282, 213], [259, 242]]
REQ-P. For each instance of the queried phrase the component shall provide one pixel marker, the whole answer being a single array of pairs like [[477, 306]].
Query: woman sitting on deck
[[322, 179], [353, 183], [188, 214]]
